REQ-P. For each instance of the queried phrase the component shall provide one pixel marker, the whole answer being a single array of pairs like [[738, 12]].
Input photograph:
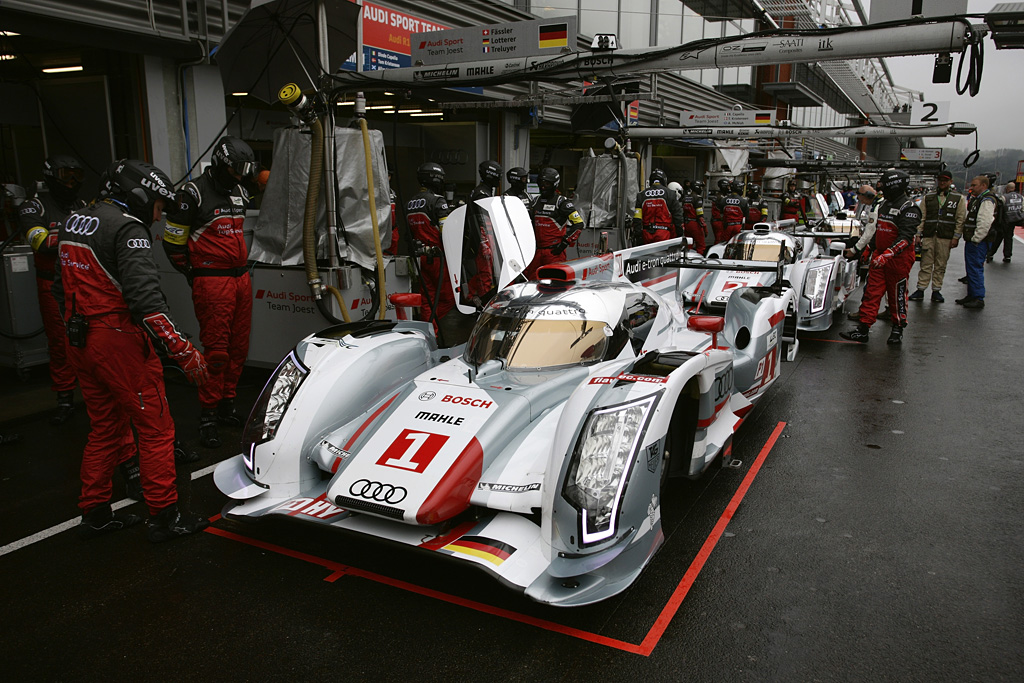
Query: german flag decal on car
[[487, 549]]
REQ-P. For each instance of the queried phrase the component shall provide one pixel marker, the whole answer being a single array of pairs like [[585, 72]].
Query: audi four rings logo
[[138, 244], [82, 225], [417, 203], [380, 492], [427, 395]]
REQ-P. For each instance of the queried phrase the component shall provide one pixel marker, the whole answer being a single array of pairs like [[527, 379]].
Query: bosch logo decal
[[463, 401], [378, 491], [82, 225], [138, 244], [427, 396]]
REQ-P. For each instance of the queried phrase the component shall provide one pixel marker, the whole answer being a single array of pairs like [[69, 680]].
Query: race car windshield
[[537, 338], [761, 250]]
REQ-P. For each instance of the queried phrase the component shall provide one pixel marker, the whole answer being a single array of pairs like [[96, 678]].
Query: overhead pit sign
[[515, 39], [920, 154], [727, 118]]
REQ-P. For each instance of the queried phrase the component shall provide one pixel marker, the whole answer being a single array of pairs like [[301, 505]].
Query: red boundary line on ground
[[645, 648]]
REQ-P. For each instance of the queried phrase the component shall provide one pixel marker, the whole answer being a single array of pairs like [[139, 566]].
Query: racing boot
[[227, 415], [132, 483], [65, 408], [895, 336], [101, 520], [183, 454], [208, 436], [171, 522], [858, 334]]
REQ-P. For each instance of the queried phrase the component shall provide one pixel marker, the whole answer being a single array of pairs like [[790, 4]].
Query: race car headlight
[[273, 402], [816, 285], [600, 466]]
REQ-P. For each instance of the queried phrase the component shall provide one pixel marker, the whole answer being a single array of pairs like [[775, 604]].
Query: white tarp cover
[[733, 159], [770, 173], [597, 190], [277, 238]]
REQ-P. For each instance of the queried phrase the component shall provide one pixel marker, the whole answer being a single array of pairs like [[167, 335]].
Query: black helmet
[[698, 187], [658, 176], [548, 180], [63, 175], [517, 175], [736, 186], [139, 185], [490, 172], [792, 181], [687, 184], [894, 183], [723, 185], [431, 176], [106, 186], [754, 191], [233, 156]]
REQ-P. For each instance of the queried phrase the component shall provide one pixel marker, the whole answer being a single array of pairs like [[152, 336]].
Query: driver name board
[[514, 39]]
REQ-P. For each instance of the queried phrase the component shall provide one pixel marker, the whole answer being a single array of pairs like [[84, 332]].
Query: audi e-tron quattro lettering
[[538, 450]]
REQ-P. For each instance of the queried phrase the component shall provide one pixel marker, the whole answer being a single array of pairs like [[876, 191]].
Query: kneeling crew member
[[107, 287]]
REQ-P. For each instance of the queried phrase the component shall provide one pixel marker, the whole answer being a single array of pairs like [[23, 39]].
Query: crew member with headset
[[425, 213], [490, 178], [556, 222], [757, 208], [893, 249], [203, 239], [693, 214], [517, 177], [733, 209], [658, 215], [107, 288], [794, 204], [40, 219]]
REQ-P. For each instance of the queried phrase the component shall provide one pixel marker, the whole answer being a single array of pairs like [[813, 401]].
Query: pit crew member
[[556, 222], [693, 214], [107, 288], [40, 219], [425, 213], [659, 214], [893, 249], [203, 239], [734, 209], [794, 204]]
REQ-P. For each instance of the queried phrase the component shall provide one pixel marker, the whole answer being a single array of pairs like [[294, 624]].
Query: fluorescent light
[[4, 58], [389, 94], [344, 104], [381, 106], [61, 69], [409, 111], [429, 113], [239, 94], [9, 33]]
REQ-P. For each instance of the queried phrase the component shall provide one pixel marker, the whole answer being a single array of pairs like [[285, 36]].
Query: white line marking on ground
[[72, 523]]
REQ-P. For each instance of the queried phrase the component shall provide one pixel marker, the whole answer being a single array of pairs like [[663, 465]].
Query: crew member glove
[[193, 365], [179, 349], [883, 258], [560, 247]]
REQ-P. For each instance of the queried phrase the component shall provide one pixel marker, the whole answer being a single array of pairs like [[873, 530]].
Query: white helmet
[[677, 188]]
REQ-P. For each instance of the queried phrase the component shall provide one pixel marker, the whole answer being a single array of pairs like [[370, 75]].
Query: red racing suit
[[734, 210], [425, 214], [794, 205], [477, 257], [106, 273], [658, 214], [40, 218], [693, 214], [893, 244], [557, 225], [757, 212], [204, 240]]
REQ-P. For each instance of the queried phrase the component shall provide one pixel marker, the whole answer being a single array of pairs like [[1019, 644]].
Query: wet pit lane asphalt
[[881, 539]]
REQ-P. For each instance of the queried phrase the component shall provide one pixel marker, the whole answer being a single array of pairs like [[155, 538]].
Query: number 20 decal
[[412, 451]]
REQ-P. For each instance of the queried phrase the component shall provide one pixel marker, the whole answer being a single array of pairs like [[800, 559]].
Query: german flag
[[554, 35], [487, 549], [762, 118]]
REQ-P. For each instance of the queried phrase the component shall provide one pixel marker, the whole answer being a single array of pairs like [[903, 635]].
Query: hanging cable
[[972, 158], [976, 55]]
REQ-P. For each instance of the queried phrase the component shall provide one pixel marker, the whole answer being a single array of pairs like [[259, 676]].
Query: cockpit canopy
[[752, 246], [537, 326]]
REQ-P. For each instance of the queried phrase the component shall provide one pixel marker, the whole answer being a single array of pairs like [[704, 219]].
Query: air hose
[[382, 291], [292, 97]]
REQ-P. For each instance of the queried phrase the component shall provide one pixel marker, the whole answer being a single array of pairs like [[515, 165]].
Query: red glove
[[882, 258], [178, 348]]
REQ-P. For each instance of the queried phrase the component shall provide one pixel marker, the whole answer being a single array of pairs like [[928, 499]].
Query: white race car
[[537, 451]]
